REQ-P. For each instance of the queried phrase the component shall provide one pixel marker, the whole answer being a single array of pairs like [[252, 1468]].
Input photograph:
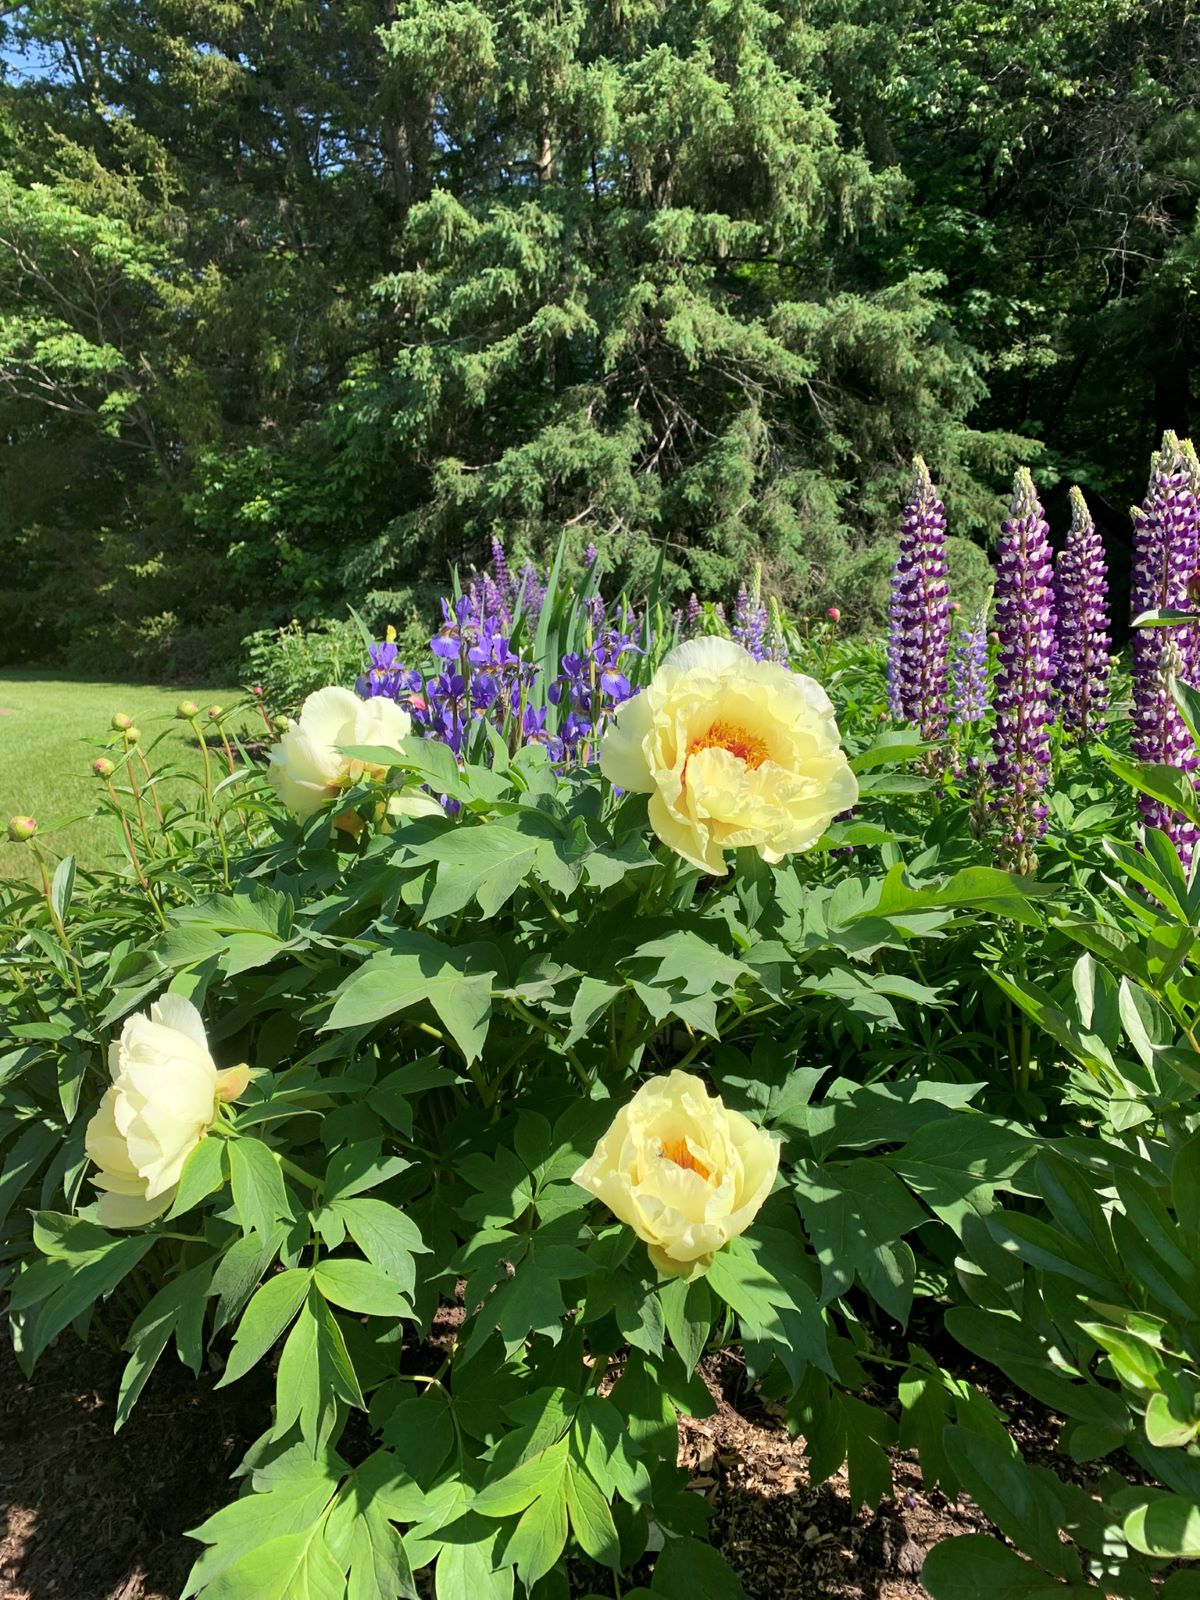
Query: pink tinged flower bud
[[21, 829], [215, 713], [834, 614], [132, 735], [120, 721], [186, 710], [102, 767]]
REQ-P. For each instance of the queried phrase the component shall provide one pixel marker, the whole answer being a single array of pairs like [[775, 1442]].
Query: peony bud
[[186, 710], [834, 614], [102, 767], [132, 735], [21, 829], [215, 713], [281, 724], [120, 721]]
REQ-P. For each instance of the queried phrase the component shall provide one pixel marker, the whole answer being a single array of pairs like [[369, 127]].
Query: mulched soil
[[89, 1515], [93, 1515]]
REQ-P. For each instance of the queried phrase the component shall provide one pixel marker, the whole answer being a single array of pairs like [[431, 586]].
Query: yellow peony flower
[[732, 752], [306, 768], [162, 1102], [682, 1170]]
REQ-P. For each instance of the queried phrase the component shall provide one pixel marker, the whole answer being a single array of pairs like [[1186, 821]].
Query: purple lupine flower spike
[[751, 620], [499, 566], [1166, 555], [1024, 679], [1081, 668], [693, 611], [969, 671], [919, 633]]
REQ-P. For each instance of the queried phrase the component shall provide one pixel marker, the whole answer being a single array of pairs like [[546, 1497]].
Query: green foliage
[[299, 303], [983, 1088], [288, 664]]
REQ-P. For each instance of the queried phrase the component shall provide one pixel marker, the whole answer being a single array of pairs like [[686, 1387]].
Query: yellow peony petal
[[623, 759], [328, 716], [131, 1211], [734, 753], [683, 1171]]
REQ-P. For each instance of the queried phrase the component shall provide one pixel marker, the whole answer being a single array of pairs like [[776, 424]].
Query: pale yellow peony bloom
[[162, 1102], [682, 1170], [732, 752], [307, 770]]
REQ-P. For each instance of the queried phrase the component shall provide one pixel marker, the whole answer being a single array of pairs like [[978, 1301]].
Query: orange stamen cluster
[[748, 747], [677, 1152]]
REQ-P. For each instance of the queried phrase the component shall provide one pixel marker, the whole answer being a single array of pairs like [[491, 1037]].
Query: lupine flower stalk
[[1024, 678], [750, 620], [1082, 665], [919, 633], [969, 671], [1166, 555]]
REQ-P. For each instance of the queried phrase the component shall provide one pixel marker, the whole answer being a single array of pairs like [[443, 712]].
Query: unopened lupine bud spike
[[21, 829], [1025, 675]]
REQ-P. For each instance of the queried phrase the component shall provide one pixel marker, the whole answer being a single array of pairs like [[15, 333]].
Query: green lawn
[[51, 730]]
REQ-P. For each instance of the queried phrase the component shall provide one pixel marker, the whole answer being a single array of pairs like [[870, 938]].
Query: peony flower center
[[676, 1151], [746, 746]]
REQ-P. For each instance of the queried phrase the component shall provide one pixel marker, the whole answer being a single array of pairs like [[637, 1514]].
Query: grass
[[51, 730]]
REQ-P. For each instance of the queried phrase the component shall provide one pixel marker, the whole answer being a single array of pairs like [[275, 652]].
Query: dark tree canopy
[[299, 300]]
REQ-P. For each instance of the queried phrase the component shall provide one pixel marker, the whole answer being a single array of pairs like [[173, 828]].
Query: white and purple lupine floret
[[1082, 664], [1024, 675], [919, 613]]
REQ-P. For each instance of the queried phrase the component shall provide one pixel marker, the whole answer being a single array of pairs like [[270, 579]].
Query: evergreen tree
[[634, 303]]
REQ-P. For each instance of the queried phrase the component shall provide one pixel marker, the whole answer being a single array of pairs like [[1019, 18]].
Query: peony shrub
[[477, 1092]]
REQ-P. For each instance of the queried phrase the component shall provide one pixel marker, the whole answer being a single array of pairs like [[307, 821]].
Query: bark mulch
[[89, 1515]]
